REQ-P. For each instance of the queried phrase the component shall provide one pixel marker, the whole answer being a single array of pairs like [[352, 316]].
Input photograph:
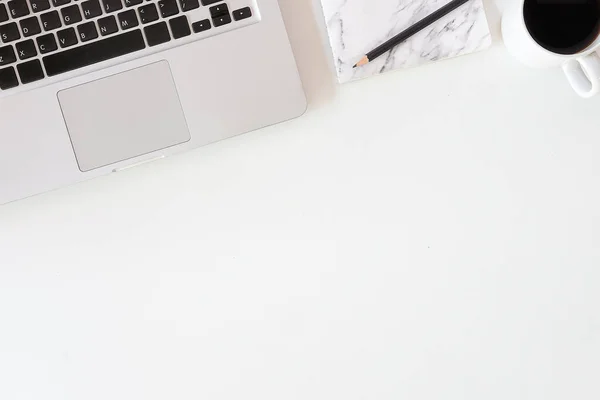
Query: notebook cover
[[357, 26]]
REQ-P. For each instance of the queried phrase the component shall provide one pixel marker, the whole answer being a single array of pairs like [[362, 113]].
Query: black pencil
[[407, 33]]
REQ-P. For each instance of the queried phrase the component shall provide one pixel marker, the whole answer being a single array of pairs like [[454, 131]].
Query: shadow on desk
[[306, 30]]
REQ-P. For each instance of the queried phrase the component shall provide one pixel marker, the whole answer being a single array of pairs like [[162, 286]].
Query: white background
[[425, 234]]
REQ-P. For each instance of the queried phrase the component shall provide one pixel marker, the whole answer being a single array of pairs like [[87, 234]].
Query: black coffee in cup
[[563, 26]]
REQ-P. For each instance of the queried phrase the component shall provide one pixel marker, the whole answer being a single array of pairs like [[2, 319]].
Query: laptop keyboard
[[41, 39]]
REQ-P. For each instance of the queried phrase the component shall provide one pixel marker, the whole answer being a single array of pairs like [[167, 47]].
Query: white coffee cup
[[582, 69]]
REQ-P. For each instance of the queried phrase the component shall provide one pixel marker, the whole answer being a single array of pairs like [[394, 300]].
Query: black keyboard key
[[3, 13], [219, 21], [201, 26], [168, 8], [131, 3], [112, 5], [94, 52], [180, 27], [46, 43], [18, 8], [8, 78], [107, 25], [30, 71], [87, 31], [157, 33], [219, 10], [71, 15], [58, 3], [242, 13], [30, 26], [50, 21], [209, 2], [91, 9], [128, 19], [7, 55], [148, 13], [188, 5], [9, 32], [39, 5], [26, 49], [67, 37]]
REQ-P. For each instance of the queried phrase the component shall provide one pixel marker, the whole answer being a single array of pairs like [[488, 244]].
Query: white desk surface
[[427, 234]]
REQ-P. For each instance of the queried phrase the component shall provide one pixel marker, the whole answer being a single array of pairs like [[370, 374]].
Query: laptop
[[90, 87]]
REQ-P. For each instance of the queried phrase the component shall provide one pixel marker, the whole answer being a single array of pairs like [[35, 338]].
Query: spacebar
[[95, 52]]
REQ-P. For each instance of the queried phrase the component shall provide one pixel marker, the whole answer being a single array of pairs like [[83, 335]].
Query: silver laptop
[[89, 87]]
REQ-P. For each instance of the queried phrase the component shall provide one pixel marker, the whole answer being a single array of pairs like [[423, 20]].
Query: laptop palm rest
[[123, 116]]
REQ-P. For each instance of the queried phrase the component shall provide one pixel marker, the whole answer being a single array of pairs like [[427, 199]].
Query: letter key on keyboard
[[7, 55], [18, 8], [26, 49], [39, 5]]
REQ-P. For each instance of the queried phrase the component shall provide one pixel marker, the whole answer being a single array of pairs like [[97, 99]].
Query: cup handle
[[584, 74]]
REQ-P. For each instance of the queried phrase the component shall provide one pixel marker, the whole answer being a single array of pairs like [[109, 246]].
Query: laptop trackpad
[[124, 116]]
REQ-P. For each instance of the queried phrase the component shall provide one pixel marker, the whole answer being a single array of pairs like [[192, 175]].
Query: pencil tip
[[363, 61]]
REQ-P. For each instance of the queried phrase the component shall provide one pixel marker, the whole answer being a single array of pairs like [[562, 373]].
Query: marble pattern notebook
[[355, 27]]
